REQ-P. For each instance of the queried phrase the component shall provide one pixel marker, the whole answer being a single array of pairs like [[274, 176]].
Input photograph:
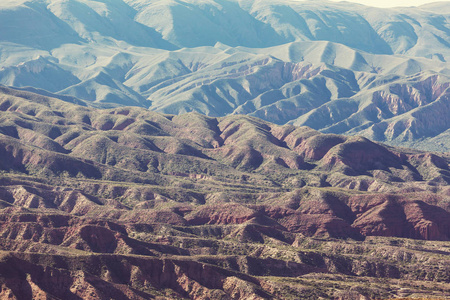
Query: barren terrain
[[127, 203]]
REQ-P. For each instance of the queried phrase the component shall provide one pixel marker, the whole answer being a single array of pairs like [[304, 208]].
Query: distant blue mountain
[[336, 67]]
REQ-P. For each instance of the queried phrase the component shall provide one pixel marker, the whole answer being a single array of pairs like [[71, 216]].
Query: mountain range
[[224, 149], [338, 68], [126, 203]]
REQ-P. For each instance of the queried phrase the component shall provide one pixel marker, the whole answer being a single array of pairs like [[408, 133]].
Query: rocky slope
[[127, 203], [336, 67]]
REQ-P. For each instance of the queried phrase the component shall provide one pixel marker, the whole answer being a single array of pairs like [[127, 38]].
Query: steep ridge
[[257, 24], [336, 67], [142, 204], [223, 150], [47, 137]]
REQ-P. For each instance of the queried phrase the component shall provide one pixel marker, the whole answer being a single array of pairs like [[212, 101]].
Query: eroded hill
[[128, 203]]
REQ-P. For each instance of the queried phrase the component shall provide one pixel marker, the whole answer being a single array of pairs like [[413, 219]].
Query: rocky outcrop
[[120, 277], [221, 214]]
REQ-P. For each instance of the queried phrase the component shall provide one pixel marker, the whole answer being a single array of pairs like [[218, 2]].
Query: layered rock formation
[[128, 203]]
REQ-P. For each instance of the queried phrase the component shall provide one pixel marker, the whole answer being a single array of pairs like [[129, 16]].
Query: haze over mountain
[[156, 149], [336, 67]]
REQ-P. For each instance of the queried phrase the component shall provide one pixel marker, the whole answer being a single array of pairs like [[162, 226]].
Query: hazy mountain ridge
[[127, 203], [253, 23], [336, 67]]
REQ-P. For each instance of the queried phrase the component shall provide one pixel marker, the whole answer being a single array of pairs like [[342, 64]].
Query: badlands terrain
[[168, 149], [126, 203]]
